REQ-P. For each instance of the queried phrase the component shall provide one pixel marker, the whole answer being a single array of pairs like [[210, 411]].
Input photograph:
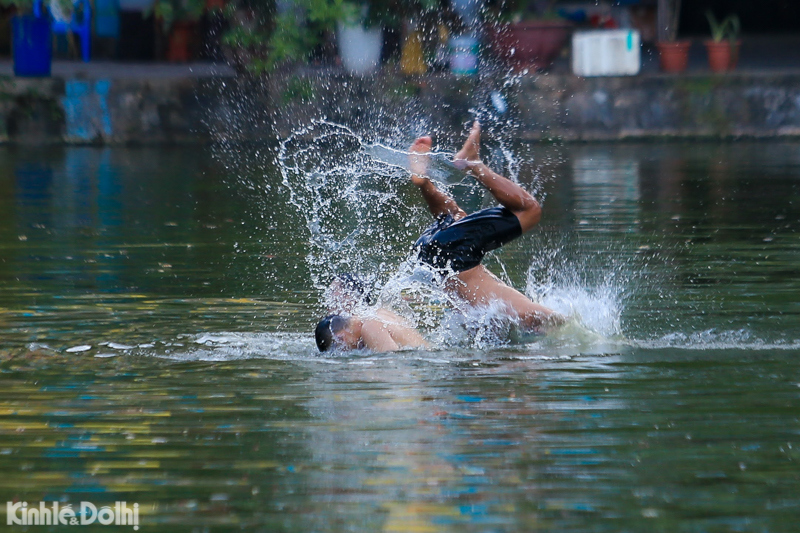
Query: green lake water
[[156, 309]]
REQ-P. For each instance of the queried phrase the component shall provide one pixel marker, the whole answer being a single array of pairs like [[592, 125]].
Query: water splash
[[715, 339], [441, 168], [458, 338], [356, 200], [598, 308], [361, 214], [343, 198], [589, 288]]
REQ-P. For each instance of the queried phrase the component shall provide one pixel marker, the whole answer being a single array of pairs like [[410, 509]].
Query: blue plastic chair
[[83, 28]]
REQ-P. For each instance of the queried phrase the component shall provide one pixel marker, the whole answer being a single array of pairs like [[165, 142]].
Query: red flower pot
[[722, 56], [673, 56], [530, 44], [180, 41]]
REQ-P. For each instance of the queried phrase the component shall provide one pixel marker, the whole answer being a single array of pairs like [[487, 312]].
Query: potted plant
[[529, 34], [723, 48], [359, 37], [262, 38], [258, 41], [673, 53], [31, 38], [179, 21]]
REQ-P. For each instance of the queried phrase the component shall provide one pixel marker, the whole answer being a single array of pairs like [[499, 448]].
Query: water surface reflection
[[155, 311]]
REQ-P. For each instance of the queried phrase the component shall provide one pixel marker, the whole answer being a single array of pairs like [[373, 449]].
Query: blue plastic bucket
[[31, 42]]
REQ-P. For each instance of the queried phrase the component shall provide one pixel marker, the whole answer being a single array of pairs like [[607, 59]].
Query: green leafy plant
[[171, 11], [262, 38], [298, 90], [353, 14], [728, 28], [324, 12]]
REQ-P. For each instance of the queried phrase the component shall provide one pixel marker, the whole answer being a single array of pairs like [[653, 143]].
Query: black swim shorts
[[461, 245]]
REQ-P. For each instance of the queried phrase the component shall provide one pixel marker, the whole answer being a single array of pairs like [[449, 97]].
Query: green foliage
[[298, 90], [288, 42], [264, 39], [324, 12], [172, 11], [728, 28], [352, 14]]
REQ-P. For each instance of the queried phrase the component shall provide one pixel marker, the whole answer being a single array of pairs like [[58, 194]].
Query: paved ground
[[121, 70]]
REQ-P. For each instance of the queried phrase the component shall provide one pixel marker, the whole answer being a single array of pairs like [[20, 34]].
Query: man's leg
[[509, 194], [480, 288], [438, 202]]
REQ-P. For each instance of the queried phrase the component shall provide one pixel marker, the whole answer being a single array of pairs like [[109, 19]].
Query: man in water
[[380, 331], [355, 322], [456, 243], [454, 246]]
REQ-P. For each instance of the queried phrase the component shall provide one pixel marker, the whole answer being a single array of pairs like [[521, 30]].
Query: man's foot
[[470, 153], [418, 159]]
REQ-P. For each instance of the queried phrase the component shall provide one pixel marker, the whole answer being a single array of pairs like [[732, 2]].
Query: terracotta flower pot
[[722, 56], [531, 44], [180, 40], [673, 56]]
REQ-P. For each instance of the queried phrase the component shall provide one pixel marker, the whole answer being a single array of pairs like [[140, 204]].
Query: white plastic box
[[606, 53]]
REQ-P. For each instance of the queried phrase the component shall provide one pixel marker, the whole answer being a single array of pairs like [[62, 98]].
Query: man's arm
[[380, 336], [377, 338], [510, 195], [438, 202]]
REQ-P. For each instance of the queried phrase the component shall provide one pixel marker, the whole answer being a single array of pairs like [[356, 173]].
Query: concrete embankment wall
[[544, 106]]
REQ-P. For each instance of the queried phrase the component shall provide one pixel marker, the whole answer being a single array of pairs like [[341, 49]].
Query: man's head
[[346, 292], [339, 332]]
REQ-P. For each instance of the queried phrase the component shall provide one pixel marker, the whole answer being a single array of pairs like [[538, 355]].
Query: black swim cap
[[326, 328]]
